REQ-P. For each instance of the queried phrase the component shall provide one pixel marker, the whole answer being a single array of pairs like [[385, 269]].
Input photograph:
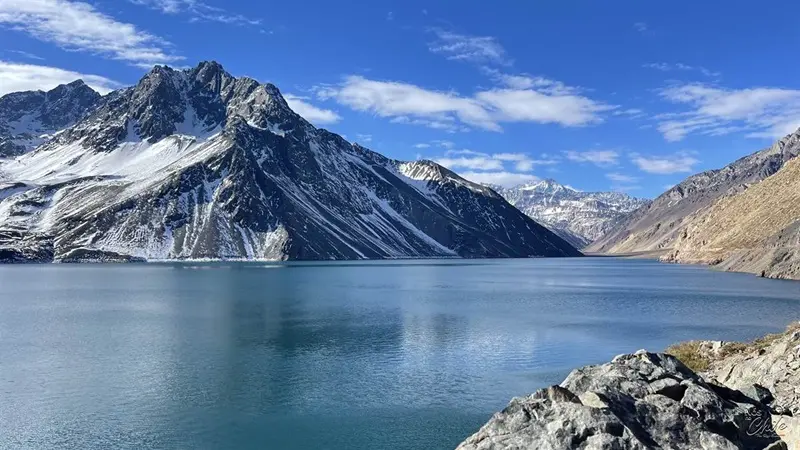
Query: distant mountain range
[[743, 217], [579, 217], [196, 163]]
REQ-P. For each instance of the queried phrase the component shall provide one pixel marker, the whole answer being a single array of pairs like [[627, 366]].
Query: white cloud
[[548, 102], [524, 163], [312, 113], [502, 178], [478, 49], [763, 111], [528, 105], [27, 77], [641, 27], [602, 158], [198, 11], [667, 67], [422, 145], [364, 138], [79, 26], [505, 169], [681, 162], [402, 100]]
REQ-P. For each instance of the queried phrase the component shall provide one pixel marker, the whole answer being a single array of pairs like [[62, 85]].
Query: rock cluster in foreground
[[648, 400]]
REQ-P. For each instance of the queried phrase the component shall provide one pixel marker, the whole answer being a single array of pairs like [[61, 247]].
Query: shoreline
[[695, 394], [658, 255]]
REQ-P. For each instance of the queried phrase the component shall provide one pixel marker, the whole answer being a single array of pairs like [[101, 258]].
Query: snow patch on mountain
[[578, 217], [195, 163]]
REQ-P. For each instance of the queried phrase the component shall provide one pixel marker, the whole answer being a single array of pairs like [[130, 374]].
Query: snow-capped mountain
[[27, 119], [579, 217], [198, 164]]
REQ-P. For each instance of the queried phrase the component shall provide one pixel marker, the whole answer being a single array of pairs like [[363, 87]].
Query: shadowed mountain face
[[199, 164], [658, 225], [579, 217], [28, 118]]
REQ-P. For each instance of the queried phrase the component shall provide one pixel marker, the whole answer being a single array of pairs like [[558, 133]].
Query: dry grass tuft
[[690, 354], [698, 357]]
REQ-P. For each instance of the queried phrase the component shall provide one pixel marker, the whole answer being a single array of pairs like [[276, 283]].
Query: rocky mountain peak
[[26, 118], [547, 185], [579, 217], [198, 102]]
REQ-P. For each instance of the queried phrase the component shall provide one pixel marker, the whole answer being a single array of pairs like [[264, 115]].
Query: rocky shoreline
[[696, 395]]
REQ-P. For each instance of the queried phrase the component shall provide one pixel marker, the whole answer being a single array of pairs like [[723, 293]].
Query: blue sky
[[622, 95]]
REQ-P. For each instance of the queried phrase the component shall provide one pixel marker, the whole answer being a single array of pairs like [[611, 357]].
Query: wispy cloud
[[79, 26], [681, 162], [762, 111], [623, 183], [313, 114], [197, 11], [364, 138], [525, 81], [444, 144], [621, 178], [28, 77], [450, 111], [641, 27], [680, 67], [601, 158], [26, 54], [462, 47]]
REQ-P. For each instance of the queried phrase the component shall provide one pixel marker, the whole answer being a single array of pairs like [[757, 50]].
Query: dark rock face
[[26, 116], [657, 225], [199, 164], [639, 401]]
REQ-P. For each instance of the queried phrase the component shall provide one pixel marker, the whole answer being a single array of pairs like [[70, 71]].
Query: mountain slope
[[199, 164], [657, 225], [578, 217], [756, 231], [27, 118]]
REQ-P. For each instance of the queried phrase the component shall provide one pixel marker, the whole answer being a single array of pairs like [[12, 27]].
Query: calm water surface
[[402, 355]]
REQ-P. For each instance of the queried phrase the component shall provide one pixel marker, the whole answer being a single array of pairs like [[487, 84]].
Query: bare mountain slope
[[657, 225], [757, 230]]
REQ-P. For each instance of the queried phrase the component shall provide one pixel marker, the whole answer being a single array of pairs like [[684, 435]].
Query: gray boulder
[[639, 401]]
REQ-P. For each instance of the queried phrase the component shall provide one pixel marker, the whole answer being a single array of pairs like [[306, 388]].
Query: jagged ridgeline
[[199, 164], [578, 217]]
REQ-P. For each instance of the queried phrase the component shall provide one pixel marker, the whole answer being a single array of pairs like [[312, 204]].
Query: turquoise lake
[[341, 355]]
